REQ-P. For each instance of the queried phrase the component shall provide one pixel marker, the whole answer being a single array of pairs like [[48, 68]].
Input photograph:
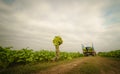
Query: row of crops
[[115, 54], [10, 57]]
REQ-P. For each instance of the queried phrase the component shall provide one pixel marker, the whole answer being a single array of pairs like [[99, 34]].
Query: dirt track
[[105, 66]]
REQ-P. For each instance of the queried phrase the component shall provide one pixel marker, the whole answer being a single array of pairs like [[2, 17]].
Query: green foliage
[[6, 56], [43, 55], [10, 57], [89, 50], [69, 55], [24, 56], [57, 41], [115, 54]]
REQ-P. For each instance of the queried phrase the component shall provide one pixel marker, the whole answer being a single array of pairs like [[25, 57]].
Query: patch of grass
[[111, 65], [33, 68], [111, 58], [85, 68], [27, 69]]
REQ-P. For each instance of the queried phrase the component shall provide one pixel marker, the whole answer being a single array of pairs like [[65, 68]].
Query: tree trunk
[[57, 52]]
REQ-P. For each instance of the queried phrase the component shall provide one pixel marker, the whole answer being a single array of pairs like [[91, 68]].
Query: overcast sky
[[34, 23]]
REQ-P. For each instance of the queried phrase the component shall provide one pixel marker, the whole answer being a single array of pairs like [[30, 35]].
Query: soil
[[105, 65]]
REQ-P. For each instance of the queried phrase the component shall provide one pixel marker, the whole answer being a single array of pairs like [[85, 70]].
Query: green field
[[27, 61], [11, 57]]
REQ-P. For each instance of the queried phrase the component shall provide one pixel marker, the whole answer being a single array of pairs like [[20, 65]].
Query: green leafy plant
[[10, 57], [115, 54]]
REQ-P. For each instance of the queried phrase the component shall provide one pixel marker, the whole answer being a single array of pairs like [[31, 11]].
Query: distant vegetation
[[27, 61], [115, 54], [10, 57]]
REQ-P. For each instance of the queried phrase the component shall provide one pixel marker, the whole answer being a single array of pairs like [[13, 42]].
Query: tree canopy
[[57, 40]]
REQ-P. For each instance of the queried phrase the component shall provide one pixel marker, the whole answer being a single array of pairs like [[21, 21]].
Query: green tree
[[57, 41]]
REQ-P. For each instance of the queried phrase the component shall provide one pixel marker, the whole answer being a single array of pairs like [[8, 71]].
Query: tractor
[[87, 51]]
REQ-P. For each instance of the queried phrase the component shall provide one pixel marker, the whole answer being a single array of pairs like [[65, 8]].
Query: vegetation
[[96, 65], [85, 68], [114, 54], [57, 41], [10, 57], [89, 50], [27, 61], [32, 68]]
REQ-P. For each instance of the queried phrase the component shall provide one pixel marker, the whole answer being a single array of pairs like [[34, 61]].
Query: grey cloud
[[28, 23]]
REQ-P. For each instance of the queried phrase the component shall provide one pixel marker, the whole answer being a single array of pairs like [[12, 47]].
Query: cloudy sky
[[34, 23]]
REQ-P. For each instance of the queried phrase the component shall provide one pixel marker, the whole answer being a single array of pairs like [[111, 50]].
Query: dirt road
[[86, 65]]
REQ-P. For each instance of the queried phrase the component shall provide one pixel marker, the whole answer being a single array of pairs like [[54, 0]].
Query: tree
[[57, 41]]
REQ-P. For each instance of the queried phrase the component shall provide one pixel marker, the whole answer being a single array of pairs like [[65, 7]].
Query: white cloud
[[35, 23]]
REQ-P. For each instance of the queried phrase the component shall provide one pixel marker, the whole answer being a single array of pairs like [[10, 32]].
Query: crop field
[[27, 61], [12, 57], [114, 54]]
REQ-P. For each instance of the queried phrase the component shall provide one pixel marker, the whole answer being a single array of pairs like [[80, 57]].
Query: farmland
[[25, 56], [114, 54], [27, 61]]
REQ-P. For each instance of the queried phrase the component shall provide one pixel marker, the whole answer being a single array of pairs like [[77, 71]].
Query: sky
[[34, 24]]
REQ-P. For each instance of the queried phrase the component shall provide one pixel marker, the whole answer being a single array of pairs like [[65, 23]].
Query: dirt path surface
[[60, 69], [86, 65]]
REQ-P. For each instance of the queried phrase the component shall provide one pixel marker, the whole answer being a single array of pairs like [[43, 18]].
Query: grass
[[85, 68], [32, 68], [93, 65], [97, 65], [28, 68], [89, 69]]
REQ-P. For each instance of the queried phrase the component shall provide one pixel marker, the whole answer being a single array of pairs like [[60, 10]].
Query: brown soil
[[101, 63]]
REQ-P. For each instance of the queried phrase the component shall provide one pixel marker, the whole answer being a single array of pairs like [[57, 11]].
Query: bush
[[115, 53]]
